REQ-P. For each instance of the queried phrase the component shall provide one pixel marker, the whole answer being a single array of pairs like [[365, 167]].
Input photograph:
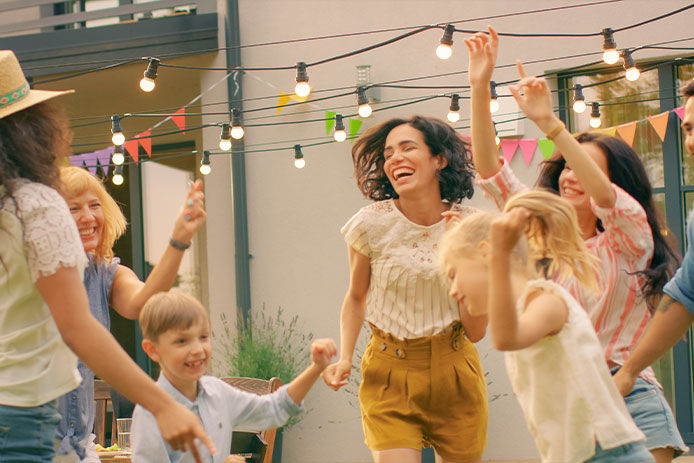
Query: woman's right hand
[[180, 428], [483, 50], [335, 375], [535, 100], [191, 215]]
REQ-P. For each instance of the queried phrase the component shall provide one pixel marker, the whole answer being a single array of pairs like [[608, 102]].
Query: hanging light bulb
[[117, 175], [454, 109], [632, 72], [497, 140], [340, 134], [147, 83], [118, 138], [302, 88], [205, 167], [610, 54], [579, 99], [363, 102], [299, 161], [236, 125], [225, 138], [444, 50], [595, 115], [493, 103], [118, 157]]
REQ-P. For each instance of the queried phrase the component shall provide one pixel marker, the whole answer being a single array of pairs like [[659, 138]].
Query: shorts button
[[456, 344], [399, 353], [383, 346]]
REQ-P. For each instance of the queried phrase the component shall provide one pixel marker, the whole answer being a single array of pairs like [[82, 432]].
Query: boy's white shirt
[[221, 409]]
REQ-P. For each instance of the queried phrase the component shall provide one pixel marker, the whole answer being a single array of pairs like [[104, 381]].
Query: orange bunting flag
[[179, 120], [627, 132], [527, 146], [659, 123], [146, 141], [508, 147], [132, 146], [282, 100]]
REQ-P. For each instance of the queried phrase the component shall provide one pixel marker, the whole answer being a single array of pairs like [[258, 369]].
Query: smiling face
[[89, 217], [409, 165], [569, 186], [468, 279]]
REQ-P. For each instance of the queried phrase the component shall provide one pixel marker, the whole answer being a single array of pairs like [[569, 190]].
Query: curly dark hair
[[627, 172], [32, 141], [455, 180], [688, 89]]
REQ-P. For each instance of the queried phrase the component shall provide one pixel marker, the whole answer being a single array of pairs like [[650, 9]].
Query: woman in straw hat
[[100, 223], [43, 303]]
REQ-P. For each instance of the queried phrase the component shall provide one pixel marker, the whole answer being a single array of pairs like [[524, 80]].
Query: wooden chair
[[260, 387], [102, 397]]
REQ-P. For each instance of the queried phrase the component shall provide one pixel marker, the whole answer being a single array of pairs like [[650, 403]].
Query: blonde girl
[[553, 357]]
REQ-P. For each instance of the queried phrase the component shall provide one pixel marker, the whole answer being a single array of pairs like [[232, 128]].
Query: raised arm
[[483, 50], [128, 293], [322, 350], [534, 98], [351, 318]]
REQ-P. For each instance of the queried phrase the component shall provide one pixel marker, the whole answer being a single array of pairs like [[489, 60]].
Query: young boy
[[176, 332]]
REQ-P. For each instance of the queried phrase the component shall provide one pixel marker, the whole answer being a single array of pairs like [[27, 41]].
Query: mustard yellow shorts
[[424, 392]]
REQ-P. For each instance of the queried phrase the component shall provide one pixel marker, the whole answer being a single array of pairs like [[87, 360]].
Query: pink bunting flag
[[90, 160], [77, 160], [680, 112], [508, 147], [180, 119], [527, 146], [659, 123], [146, 141], [132, 146], [627, 132], [104, 158]]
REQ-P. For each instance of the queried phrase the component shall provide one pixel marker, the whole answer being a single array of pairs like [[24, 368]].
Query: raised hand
[[336, 374], [535, 99], [507, 229], [191, 215], [483, 50], [322, 351]]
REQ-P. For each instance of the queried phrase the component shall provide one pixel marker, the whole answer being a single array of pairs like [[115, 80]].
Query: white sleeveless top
[[565, 388], [408, 297], [37, 236]]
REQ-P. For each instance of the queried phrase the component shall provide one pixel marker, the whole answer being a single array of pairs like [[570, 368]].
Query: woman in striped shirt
[[605, 181]]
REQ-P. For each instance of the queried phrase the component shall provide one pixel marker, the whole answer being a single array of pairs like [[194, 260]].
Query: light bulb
[[579, 106], [340, 135], [454, 108], [595, 115], [493, 105], [117, 179], [365, 110], [610, 56], [453, 116], [236, 126], [225, 138], [237, 132], [299, 163], [363, 102], [579, 99], [632, 74], [444, 51], [118, 138], [147, 84], [497, 140], [595, 122], [205, 169], [302, 89], [224, 144], [118, 158]]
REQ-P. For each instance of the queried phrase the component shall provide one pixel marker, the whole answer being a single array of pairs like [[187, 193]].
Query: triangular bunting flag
[[104, 157], [180, 120], [77, 160], [611, 131], [354, 125], [90, 161], [527, 146], [659, 123], [329, 121], [627, 132], [282, 100], [680, 112], [131, 146], [508, 147], [146, 141], [546, 147]]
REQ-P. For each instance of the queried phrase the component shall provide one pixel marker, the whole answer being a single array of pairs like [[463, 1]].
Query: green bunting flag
[[547, 147], [354, 125], [329, 121]]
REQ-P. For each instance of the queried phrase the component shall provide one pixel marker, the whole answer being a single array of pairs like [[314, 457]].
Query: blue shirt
[[221, 408], [681, 286], [77, 406]]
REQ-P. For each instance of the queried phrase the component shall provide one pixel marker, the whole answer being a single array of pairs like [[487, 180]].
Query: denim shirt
[[77, 406], [681, 286]]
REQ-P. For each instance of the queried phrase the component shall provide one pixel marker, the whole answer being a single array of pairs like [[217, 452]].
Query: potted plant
[[266, 345]]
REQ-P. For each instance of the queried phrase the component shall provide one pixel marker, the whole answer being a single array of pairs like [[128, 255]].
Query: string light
[[147, 83], [299, 161], [610, 54], [225, 138], [340, 134], [302, 88], [205, 167], [632, 72], [118, 157], [444, 50], [117, 138], [363, 102], [237, 131], [453, 109], [595, 115], [579, 99], [118, 175], [493, 103]]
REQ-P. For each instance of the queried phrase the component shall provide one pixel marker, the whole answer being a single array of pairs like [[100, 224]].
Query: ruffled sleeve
[[500, 186], [626, 226], [51, 239], [356, 233]]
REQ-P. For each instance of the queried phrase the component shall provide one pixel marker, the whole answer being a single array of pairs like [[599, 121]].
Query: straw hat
[[15, 93]]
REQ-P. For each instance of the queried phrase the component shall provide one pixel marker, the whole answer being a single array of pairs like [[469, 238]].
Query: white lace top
[[37, 237], [407, 297]]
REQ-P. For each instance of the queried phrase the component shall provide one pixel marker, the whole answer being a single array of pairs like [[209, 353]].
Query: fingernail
[[189, 202]]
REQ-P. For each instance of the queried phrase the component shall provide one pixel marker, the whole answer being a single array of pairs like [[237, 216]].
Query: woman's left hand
[[191, 215], [535, 99]]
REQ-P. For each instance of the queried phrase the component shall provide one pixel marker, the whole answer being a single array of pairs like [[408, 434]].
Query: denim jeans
[[28, 434], [634, 452]]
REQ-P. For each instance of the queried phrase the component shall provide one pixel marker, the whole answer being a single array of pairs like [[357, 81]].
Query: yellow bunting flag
[[659, 123], [611, 131], [282, 100], [627, 132]]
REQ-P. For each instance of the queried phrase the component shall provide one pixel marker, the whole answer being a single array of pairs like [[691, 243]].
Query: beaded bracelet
[[178, 245]]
